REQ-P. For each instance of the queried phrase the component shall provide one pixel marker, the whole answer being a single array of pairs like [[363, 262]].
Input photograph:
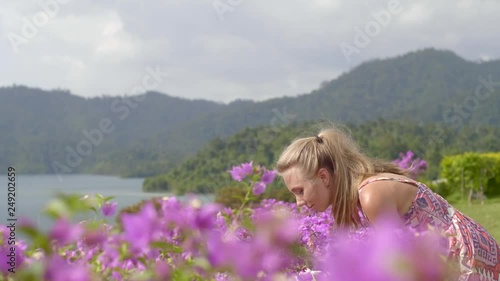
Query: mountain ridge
[[155, 132]]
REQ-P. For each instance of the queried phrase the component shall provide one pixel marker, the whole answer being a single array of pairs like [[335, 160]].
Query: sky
[[223, 50]]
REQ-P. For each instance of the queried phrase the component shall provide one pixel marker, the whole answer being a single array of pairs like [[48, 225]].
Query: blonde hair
[[334, 149]]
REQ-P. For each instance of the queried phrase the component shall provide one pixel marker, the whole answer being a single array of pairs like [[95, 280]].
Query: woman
[[329, 169]]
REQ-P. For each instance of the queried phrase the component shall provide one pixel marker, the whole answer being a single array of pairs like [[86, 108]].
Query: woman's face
[[315, 194]]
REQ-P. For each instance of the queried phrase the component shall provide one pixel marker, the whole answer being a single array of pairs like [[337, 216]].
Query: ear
[[325, 176]]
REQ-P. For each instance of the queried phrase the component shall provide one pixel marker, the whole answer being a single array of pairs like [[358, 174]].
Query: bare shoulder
[[381, 196], [377, 199], [372, 187], [376, 192], [384, 175]]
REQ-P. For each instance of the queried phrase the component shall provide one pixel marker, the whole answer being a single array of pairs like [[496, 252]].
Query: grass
[[487, 214]]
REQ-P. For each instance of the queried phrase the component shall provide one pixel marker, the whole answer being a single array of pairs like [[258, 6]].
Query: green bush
[[472, 171], [441, 187]]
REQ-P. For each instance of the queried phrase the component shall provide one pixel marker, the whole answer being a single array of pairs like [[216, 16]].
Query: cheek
[[311, 195], [325, 196]]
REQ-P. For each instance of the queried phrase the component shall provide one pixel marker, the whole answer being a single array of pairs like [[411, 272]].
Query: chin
[[317, 209]]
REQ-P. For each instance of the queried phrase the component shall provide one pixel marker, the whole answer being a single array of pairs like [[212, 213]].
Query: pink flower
[[59, 269], [258, 188], [238, 173], [94, 237], [416, 166], [268, 177], [247, 168], [108, 209], [162, 270], [64, 232], [140, 227]]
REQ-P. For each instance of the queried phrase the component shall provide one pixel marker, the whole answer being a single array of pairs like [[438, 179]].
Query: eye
[[298, 191]]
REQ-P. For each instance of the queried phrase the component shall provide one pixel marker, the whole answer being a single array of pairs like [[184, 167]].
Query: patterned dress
[[476, 250]]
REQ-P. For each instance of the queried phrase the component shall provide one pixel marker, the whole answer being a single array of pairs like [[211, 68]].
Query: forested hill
[[155, 134], [37, 127], [206, 172], [425, 86]]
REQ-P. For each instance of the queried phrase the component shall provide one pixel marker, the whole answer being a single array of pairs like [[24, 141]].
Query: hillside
[[207, 170], [427, 86], [40, 127], [154, 135]]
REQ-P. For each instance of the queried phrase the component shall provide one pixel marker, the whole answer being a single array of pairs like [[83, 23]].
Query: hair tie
[[319, 139]]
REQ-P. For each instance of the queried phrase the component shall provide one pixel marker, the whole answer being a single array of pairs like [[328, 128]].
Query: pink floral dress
[[470, 244]]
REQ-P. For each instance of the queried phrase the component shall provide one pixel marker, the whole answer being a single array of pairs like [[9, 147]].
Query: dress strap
[[388, 178]]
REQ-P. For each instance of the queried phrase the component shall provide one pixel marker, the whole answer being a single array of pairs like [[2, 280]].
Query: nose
[[301, 202]]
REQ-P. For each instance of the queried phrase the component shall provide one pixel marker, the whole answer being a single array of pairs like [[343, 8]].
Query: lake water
[[33, 192]]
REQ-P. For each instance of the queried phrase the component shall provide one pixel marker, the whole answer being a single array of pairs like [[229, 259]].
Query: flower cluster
[[168, 239], [416, 166], [260, 177]]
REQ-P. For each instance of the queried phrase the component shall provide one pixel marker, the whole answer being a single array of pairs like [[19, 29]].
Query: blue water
[[33, 192]]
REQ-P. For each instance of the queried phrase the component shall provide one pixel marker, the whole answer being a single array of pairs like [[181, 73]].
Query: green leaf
[[167, 247], [202, 262], [57, 209], [100, 199], [40, 240], [124, 253]]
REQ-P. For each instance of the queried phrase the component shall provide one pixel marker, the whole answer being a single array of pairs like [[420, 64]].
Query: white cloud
[[415, 13], [223, 44], [115, 42], [261, 49]]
